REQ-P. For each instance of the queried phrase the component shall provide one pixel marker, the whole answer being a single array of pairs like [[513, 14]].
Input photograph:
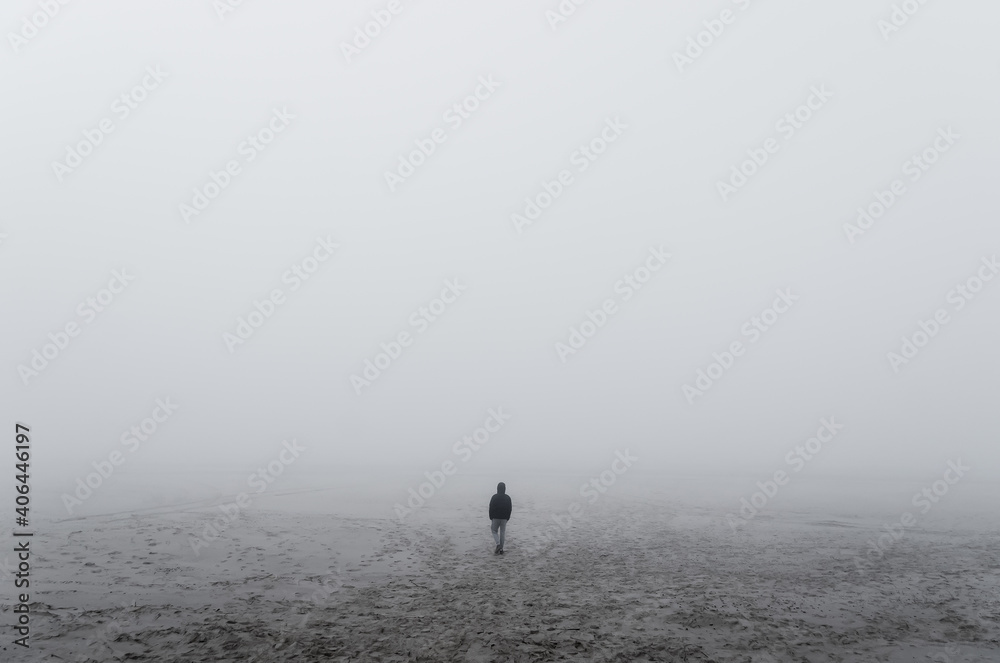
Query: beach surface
[[333, 574]]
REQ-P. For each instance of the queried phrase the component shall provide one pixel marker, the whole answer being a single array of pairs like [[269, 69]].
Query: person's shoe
[[501, 551], [497, 551]]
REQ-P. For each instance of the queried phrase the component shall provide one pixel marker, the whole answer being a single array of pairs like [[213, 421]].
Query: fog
[[659, 181]]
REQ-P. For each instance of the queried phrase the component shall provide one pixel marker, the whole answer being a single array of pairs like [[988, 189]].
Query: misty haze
[[530, 331]]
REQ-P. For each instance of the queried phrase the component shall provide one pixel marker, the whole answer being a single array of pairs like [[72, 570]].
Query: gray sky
[[681, 128]]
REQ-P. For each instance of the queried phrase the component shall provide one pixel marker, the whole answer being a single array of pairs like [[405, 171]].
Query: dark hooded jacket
[[500, 503]]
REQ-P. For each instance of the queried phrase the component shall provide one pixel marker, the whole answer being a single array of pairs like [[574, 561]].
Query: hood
[[501, 488]]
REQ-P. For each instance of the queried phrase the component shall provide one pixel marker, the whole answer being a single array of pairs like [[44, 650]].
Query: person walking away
[[500, 507]]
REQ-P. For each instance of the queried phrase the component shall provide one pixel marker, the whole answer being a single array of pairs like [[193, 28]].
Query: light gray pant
[[498, 528]]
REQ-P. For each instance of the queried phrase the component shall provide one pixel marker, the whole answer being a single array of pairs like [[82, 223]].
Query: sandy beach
[[637, 579]]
